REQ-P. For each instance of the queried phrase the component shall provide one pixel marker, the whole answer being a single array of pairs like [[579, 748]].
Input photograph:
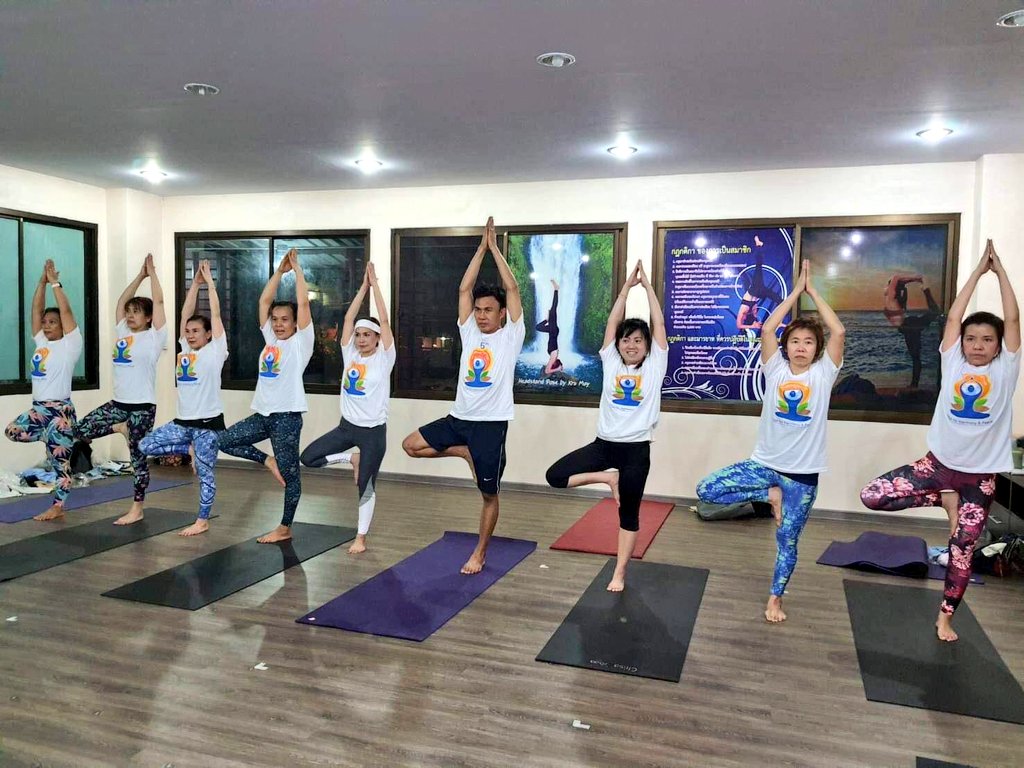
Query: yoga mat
[[927, 762], [881, 553], [642, 631], [212, 577], [598, 530], [416, 597], [122, 488], [903, 662], [37, 553]]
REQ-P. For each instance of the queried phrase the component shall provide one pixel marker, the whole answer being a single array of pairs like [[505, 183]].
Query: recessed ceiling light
[[1014, 19], [621, 151], [152, 175], [556, 60], [934, 135], [202, 89], [368, 163]]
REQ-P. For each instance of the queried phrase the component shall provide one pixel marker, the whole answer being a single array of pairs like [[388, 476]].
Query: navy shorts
[[486, 443]]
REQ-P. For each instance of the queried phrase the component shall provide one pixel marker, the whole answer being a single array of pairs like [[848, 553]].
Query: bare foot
[[56, 512], [354, 461], [132, 516], [121, 429], [192, 458], [281, 533], [359, 545], [775, 499], [773, 611], [475, 564], [199, 526], [271, 464], [950, 503], [614, 485], [618, 582], [944, 628]]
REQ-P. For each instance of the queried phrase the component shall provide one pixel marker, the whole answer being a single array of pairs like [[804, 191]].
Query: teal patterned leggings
[[750, 481], [50, 422]]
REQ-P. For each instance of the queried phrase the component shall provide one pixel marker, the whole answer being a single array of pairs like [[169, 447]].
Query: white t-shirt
[[630, 396], [971, 427], [488, 371], [53, 365], [366, 384], [197, 373], [281, 365], [135, 356], [794, 414]]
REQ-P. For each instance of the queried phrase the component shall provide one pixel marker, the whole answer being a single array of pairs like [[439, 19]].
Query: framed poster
[[569, 277]]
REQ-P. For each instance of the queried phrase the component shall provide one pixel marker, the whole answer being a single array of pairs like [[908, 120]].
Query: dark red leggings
[[920, 485]]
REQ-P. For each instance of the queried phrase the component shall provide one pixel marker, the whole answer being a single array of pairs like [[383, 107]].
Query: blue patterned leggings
[[52, 422], [174, 439], [139, 419], [283, 430], [750, 481]]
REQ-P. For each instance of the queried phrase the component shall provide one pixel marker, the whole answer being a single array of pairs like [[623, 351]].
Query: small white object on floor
[[12, 618], [261, 667], [544, 566], [581, 725]]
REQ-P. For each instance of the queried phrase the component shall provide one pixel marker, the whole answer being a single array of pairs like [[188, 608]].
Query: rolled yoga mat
[[881, 553], [927, 762], [37, 553], [903, 662], [643, 631], [212, 577], [416, 597], [597, 531], [121, 488]]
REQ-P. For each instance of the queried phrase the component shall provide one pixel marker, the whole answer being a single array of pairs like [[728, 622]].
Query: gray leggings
[[372, 443]]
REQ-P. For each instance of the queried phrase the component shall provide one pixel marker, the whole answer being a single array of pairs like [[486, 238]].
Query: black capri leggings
[[633, 460]]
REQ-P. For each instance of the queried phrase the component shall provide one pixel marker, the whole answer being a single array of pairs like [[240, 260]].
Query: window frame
[[180, 240], [90, 272]]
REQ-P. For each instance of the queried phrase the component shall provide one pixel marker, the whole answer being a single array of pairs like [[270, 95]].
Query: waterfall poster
[[568, 282], [719, 287]]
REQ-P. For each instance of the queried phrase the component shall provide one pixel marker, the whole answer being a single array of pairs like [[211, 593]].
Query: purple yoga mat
[[416, 597], [895, 555], [23, 509]]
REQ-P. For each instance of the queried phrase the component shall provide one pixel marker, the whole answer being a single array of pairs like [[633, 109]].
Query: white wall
[[688, 445]]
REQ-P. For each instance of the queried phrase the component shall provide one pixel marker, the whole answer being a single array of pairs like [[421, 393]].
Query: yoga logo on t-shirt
[[479, 371], [123, 350], [355, 380], [270, 362], [39, 362], [970, 395], [794, 401], [628, 389], [185, 372]]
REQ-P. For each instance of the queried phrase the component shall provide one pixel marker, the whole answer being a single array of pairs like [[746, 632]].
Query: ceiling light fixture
[[153, 175], [556, 60], [368, 162], [622, 151], [934, 135], [202, 89], [1013, 19]]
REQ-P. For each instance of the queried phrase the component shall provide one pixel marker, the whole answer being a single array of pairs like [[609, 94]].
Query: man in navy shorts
[[492, 331]]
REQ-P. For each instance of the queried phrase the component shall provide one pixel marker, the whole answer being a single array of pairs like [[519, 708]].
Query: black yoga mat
[[212, 577], [37, 553], [643, 631], [927, 762], [903, 662]]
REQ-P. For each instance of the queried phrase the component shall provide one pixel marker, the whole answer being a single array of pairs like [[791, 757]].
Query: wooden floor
[[90, 681]]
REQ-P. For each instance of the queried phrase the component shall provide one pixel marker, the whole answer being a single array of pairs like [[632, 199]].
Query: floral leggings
[[139, 420], [749, 481], [51, 421], [920, 485]]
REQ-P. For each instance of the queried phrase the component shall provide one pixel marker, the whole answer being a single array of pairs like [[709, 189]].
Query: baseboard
[[593, 493]]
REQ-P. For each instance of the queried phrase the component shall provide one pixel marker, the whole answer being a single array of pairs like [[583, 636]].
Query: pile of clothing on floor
[[41, 479], [999, 557]]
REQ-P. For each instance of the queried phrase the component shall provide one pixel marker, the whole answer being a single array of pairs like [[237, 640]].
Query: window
[[26, 242], [333, 263]]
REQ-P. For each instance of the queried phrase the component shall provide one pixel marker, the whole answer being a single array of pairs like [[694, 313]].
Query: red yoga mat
[[598, 530]]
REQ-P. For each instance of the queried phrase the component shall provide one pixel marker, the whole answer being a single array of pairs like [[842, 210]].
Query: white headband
[[371, 324]]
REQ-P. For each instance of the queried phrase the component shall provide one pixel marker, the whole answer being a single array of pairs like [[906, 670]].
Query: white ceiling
[[447, 91]]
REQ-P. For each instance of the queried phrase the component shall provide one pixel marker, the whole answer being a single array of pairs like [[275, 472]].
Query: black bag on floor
[[742, 509]]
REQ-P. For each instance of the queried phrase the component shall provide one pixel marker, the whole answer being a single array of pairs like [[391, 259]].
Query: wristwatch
[[56, 285]]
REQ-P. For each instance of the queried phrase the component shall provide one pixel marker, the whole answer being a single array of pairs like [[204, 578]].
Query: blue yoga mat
[[416, 597], [26, 508], [883, 553]]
